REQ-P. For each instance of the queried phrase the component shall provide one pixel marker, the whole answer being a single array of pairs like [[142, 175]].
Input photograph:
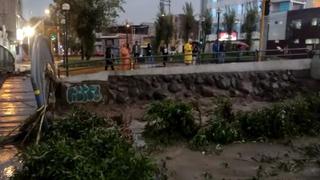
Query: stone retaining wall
[[269, 85]]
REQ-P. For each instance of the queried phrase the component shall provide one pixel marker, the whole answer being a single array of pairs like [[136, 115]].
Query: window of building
[[314, 22], [284, 6], [297, 24], [297, 6], [313, 41], [296, 41]]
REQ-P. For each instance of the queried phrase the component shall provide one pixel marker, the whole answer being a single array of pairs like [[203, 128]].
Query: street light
[[47, 12], [66, 9], [28, 32], [127, 30]]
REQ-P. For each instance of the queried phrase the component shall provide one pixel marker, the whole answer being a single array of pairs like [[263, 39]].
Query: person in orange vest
[[188, 53], [125, 57]]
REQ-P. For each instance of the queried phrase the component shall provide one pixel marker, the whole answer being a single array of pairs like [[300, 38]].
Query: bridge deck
[[17, 103]]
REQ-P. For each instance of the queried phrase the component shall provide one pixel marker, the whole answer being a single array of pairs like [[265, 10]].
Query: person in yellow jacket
[[188, 53]]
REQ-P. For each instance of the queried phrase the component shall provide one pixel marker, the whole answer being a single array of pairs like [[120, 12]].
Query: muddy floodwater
[[249, 160]]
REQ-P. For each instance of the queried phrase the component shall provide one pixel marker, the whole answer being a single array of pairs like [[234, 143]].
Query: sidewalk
[[17, 103]]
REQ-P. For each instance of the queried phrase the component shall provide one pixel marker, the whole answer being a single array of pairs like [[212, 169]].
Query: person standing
[[149, 54], [221, 53], [215, 50], [125, 57], [136, 50], [109, 58], [165, 52], [188, 53], [195, 53]]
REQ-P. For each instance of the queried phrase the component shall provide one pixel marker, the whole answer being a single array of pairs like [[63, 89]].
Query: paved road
[[17, 103]]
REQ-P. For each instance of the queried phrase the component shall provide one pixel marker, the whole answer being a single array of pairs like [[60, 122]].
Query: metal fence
[[155, 61], [7, 60]]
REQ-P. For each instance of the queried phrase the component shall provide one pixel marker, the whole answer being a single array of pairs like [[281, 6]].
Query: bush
[[200, 140], [289, 118], [95, 152], [76, 125], [224, 109], [222, 127], [299, 116], [169, 121]]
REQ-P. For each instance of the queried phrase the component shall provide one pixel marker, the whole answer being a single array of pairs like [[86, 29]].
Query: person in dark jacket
[[221, 52], [165, 52], [215, 51], [195, 53], [108, 57], [136, 50], [149, 54]]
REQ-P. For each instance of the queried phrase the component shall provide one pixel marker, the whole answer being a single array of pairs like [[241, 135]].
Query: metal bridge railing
[[7, 60], [82, 67]]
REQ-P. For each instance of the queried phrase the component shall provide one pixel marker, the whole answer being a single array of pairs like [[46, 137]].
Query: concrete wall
[[260, 80], [268, 86], [279, 65], [315, 66]]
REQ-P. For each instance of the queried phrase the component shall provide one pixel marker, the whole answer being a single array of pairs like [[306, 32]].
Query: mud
[[241, 161]]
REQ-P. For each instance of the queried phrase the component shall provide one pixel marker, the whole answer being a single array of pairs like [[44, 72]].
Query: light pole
[[66, 9], [218, 28], [200, 24], [29, 32], [164, 3], [47, 15], [127, 30]]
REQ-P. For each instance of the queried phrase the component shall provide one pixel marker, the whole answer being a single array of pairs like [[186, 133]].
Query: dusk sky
[[137, 11]]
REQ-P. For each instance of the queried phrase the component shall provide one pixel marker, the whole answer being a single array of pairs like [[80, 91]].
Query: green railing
[[7, 60], [178, 59]]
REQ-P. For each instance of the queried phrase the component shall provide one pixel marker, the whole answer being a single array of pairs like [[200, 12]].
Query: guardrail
[[102, 64], [7, 60]]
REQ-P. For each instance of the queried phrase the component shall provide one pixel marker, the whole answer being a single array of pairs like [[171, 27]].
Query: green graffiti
[[84, 94]]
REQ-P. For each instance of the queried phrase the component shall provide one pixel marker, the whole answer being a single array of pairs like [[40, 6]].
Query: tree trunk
[[204, 42]]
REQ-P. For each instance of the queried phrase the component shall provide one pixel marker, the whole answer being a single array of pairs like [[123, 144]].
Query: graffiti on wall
[[84, 94]]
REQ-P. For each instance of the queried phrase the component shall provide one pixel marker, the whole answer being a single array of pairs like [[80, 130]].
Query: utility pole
[[164, 3], [218, 28], [265, 12]]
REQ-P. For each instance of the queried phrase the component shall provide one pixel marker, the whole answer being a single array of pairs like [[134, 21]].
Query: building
[[277, 6], [295, 29], [303, 28], [312, 3], [205, 4], [117, 35], [10, 19], [276, 21]]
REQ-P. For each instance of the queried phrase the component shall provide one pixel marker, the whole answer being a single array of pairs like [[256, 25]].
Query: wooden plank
[[14, 118], [18, 104], [16, 112]]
